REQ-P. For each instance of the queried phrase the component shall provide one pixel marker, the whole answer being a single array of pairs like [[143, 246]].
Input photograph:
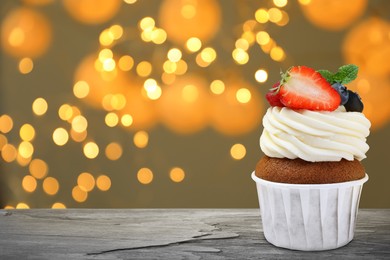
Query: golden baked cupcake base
[[298, 171]]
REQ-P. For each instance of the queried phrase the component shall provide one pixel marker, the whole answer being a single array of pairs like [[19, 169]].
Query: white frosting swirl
[[315, 135]]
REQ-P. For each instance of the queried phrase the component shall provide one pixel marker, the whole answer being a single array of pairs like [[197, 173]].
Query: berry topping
[[354, 103], [302, 87], [343, 92], [273, 96]]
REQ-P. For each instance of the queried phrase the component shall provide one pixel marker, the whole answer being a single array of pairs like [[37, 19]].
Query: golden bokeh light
[[50, 185], [373, 90], [92, 11], [27, 132], [145, 175], [23, 161], [249, 25], [79, 124], [280, 3], [193, 44], [141, 139], [114, 102], [275, 15], [168, 78], [368, 46], [159, 36], [91, 150], [58, 205], [169, 66], [38, 168], [126, 63], [261, 75], [174, 55], [39, 106], [238, 151], [277, 53], [144, 68], [29, 183], [117, 31], [262, 15], [106, 38], [243, 95], [78, 137], [242, 44], [113, 151], [6, 123], [25, 149], [268, 46], [177, 174], [285, 19], [184, 104], [126, 120], [9, 153], [343, 13], [22, 205], [146, 35], [153, 91], [9, 207], [103, 183], [26, 65], [81, 89], [208, 55], [217, 87], [25, 33], [65, 112], [111, 119], [240, 56], [181, 67], [249, 36], [60, 136], [109, 65], [147, 23], [200, 61], [79, 195], [86, 181]]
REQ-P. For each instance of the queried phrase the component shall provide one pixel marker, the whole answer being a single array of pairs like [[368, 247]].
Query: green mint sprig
[[344, 75]]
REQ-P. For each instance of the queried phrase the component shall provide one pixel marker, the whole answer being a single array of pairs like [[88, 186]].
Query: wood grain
[[167, 234]]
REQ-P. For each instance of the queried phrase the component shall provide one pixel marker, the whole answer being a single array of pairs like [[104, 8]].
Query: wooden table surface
[[168, 234]]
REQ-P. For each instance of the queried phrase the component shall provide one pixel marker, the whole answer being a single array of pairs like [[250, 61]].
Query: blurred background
[[126, 103]]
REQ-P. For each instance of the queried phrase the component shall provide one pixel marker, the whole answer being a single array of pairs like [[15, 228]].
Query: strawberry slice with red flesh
[[273, 96], [304, 88]]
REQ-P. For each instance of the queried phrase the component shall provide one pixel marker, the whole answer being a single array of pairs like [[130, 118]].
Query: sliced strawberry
[[304, 88], [273, 96]]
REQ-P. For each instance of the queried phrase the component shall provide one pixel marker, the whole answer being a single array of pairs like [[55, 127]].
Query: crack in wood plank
[[194, 240]]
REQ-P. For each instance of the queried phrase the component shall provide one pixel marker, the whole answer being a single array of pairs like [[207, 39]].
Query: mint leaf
[[326, 74], [346, 74]]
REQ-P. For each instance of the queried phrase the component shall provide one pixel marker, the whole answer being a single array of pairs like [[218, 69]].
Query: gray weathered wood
[[167, 234]]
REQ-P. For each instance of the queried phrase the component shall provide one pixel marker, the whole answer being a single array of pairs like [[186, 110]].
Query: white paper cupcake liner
[[309, 217]]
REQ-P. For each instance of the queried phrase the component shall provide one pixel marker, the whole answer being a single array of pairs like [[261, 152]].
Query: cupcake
[[311, 176]]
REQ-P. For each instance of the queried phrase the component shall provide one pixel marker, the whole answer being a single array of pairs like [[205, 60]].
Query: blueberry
[[343, 92], [354, 102]]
